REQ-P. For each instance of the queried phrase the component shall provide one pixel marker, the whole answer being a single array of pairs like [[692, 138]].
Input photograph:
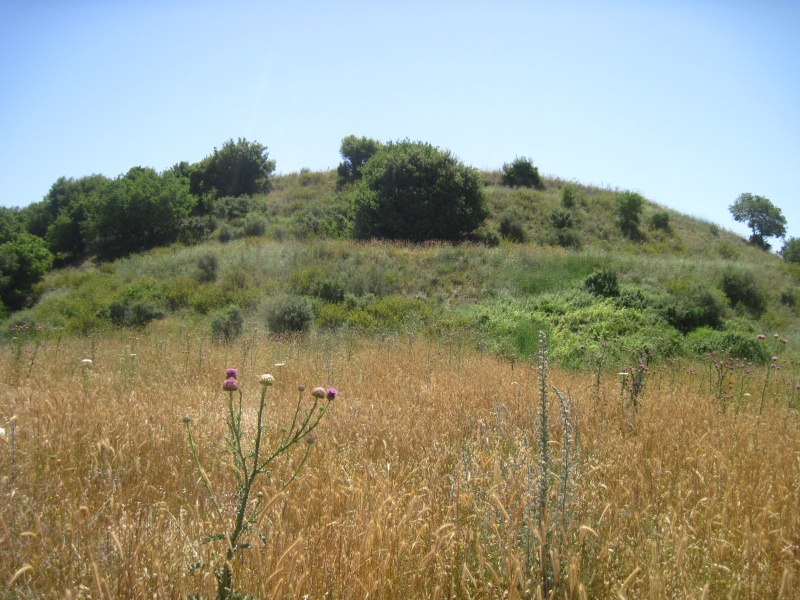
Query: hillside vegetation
[[686, 286]]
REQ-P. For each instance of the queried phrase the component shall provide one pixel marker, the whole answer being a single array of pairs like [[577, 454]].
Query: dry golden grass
[[421, 484]]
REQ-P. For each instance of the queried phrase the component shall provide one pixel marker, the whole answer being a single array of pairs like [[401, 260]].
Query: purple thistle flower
[[230, 384], [231, 373], [318, 392], [761, 336], [774, 359], [331, 394]]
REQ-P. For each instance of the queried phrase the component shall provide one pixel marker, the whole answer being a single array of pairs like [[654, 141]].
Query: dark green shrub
[[254, 225], [416, 192], [602, 283], [791, 250], [227, 324], [355, 153], [289, 313], [194, 230], [512, 226], [742, 289], [487, 236], [561, 219], [128, 313], [522, 173], [660, 220], [569, 195], [568, 238], [737, 344], [628, 208], [225, 233], [230, 208], [239, 168], [701, 306], [207, 266], [789, 297]]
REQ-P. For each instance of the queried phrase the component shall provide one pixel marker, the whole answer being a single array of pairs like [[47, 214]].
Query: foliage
[[742, 289], [522, 173], [65, 209], [10, 225], [603, 282], [762, 217], [207, 267], [125, 312], [561, 219], [734, 343], [791, 250], [628, 209], [416, 192], [239, 168], [660, 220], [700, 306], [254, 225], [138, 211], [24, 260], [355, 152], [289, 313], [569, 196], [227, 324], [512, 226]]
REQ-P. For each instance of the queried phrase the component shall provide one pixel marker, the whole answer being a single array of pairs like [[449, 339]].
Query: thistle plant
[[253, 460]]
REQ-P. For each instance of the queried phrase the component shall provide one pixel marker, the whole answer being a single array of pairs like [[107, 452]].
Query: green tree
[[239, 168], [414, 191], [522, 173], [23, 262], [762, 217], [791, 250], [355, 151], [628, 208], [10, 224], [138, 211]]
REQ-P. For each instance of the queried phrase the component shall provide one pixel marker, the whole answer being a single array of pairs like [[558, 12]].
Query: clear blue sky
[[688, 102]]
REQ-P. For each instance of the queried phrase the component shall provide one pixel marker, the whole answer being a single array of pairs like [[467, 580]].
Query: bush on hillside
[[701, 306], [602, 283], [288, 314], [569, 196], [737, 344], [522, 173], [660, 221], [628, 208], [227, 324], [413, 191], [742, 289], [207, 267], [512, 226], [131, 313]]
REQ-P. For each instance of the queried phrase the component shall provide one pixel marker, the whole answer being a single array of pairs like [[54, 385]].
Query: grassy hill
[[281, 261]]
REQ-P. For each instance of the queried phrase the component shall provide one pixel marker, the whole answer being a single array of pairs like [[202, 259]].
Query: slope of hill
[[684, 286]]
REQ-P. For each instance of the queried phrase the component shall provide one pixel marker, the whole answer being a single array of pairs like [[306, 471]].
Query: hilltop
[[281, 261]]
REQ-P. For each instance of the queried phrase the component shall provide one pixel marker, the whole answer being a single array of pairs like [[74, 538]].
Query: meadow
[[426, 479]]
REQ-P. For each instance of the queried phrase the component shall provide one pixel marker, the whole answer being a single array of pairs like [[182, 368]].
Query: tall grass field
[[438, 471]]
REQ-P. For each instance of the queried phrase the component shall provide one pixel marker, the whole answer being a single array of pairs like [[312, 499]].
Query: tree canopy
[[522, 173], [414, 191], [628, 208], [791, 250], [239, 168], [136, 212], [355, 151], [762, 217], [24, 260]]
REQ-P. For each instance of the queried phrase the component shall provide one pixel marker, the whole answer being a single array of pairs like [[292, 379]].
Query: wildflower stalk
[[250, 464], [544, 466]]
